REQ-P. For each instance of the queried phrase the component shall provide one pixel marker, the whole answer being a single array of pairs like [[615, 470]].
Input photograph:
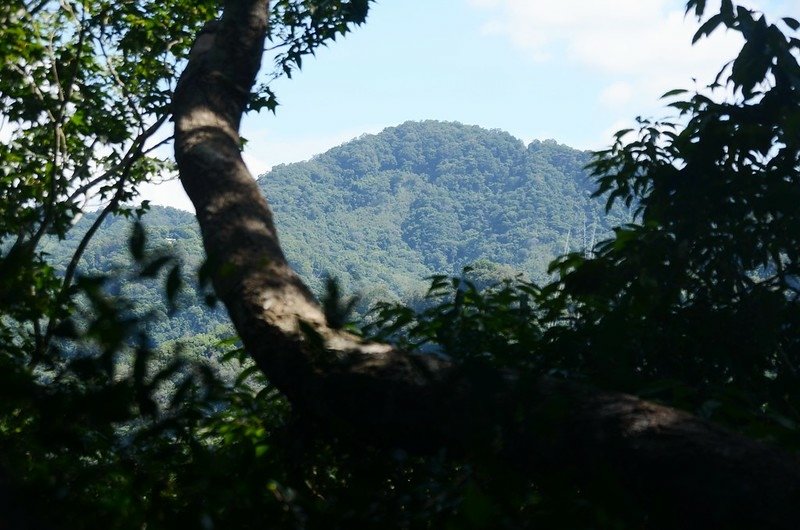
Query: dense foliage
[[698, 301], [694, 303], [170, 234], [429, 198]]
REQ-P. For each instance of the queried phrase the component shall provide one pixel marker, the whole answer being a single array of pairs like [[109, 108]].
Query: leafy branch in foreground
[[700, 297]]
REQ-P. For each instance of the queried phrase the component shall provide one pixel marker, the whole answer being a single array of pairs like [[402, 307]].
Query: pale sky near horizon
[[571, 70]]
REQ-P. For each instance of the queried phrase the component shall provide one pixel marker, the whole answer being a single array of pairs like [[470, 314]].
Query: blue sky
[[571, 70]]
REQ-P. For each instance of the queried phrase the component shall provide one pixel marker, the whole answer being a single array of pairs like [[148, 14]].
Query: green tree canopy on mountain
[[432, 197]]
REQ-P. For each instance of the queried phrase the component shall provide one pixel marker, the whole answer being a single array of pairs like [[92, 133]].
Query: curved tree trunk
[[684, 471]]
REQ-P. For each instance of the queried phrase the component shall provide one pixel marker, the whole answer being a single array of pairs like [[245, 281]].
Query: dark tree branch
[[683, 471]]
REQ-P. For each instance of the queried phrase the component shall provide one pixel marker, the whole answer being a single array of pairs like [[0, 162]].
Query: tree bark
[[682, 470]]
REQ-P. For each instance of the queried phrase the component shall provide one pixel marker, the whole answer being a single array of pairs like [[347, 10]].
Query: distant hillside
[[168, 231], [385, 210]]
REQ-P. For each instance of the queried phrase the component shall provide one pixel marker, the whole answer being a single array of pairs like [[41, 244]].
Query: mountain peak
[[431, 197]]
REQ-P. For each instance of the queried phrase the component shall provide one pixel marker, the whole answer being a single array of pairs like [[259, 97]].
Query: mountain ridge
[[435, 196], [383, 212]]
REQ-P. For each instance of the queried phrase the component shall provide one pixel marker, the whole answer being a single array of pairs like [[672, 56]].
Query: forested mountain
[[385, 210], [382, 212]]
